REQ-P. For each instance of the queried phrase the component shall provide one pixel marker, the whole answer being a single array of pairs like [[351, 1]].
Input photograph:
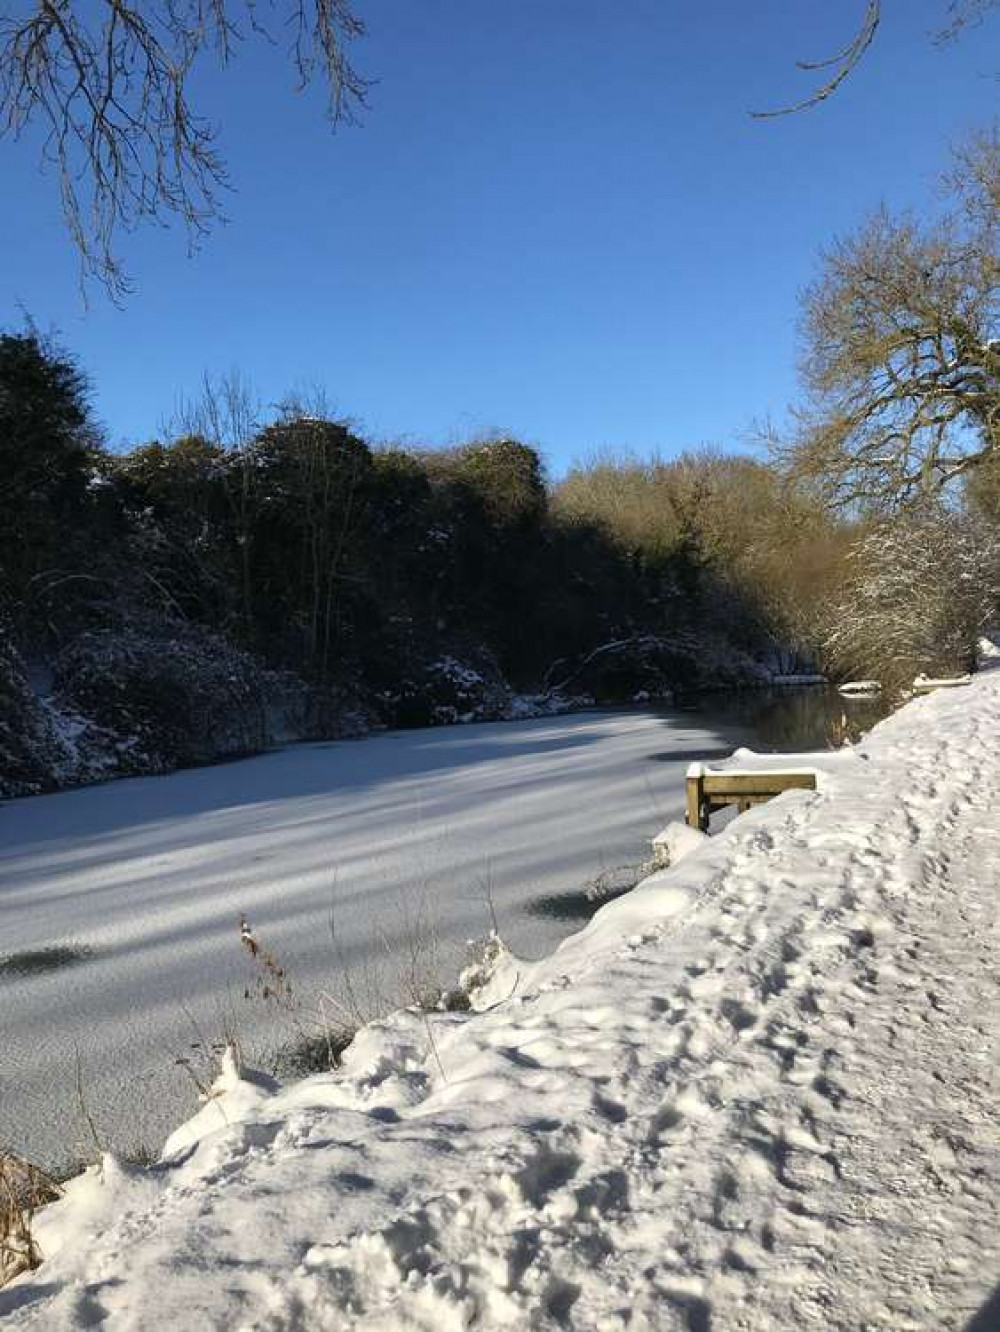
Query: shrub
[[177, 693], [29, 749], [447, 689]]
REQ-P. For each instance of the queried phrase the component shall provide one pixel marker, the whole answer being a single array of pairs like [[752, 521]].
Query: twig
[[88, 1118]]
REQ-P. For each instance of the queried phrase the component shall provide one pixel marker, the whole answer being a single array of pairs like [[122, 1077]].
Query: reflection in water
[[785, 720], [571, 906], [702, 755]]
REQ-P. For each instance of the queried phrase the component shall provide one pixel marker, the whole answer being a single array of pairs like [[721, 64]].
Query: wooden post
[[696, 810]]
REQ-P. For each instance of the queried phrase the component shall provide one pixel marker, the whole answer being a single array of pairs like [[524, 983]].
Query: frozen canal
[[120, 952]]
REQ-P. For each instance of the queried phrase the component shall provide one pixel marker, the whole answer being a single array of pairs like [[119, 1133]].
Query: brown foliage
[[768, 540]]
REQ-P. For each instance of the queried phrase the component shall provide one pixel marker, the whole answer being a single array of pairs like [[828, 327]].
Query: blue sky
[[557, 220]]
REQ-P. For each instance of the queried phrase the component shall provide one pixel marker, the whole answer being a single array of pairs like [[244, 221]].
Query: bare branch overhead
[[841, 65], [838, 67], [107, 85]]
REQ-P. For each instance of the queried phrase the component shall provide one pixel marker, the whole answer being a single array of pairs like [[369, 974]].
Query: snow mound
[[942, 682], [675, 842], [852, 687]]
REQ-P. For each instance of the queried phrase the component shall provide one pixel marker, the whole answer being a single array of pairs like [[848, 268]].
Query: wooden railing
[[709, 791]]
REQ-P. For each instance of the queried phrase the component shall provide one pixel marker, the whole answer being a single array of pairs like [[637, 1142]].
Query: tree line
[[194, 595]]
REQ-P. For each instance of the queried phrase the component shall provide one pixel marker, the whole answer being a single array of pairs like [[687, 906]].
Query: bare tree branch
[[842, 65], [965, 14], [962, 14], [108, 88], [902, 350]]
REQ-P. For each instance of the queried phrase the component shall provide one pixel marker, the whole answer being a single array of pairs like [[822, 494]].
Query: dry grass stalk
[[24, 1188], [314, 1044], [270, 978]]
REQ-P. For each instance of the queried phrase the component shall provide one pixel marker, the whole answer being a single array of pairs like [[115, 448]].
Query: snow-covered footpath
[[757, 1092]]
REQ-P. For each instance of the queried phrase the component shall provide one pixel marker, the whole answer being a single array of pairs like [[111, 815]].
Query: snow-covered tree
[[922, 587]]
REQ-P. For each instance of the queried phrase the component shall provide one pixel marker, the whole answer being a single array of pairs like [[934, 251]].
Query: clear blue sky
[[557, 220]]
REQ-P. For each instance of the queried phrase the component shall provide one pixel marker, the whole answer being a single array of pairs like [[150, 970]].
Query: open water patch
[[785, 719], [703, 754], [41, 961], [571, 906]]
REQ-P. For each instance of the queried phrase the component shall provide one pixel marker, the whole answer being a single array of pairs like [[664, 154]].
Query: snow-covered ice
[[398, 835], [757, 1092]]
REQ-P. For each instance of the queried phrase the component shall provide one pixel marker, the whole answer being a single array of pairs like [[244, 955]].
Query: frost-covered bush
[[43, 745], [922, 587], [132, 701], [300, 711], [28, 748], [445, 690], [177, 694]]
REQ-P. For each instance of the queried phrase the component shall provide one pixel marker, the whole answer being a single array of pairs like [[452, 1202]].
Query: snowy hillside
[[758, 1092]]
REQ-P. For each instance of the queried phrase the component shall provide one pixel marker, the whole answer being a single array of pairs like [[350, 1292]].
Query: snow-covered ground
[[758, 1092], [143, 881]]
